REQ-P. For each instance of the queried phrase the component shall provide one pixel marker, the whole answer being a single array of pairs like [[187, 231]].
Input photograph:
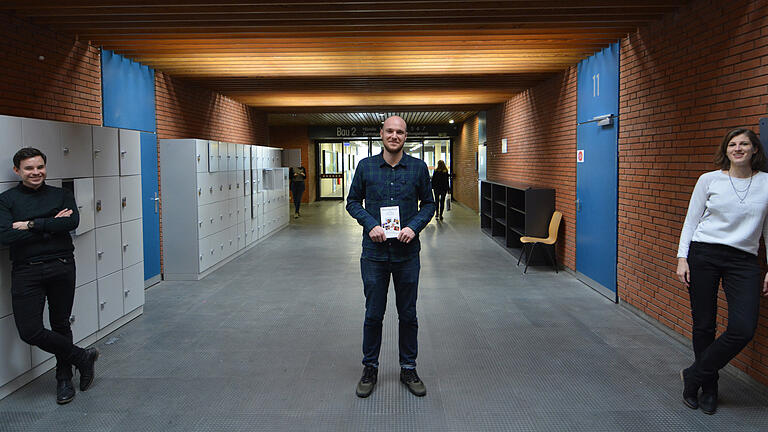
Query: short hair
[[758, 159], [26, 153]]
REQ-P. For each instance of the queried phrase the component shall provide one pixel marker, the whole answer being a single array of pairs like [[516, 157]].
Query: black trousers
[[297, 189], [741, 276], [440, 200], [31, 285]]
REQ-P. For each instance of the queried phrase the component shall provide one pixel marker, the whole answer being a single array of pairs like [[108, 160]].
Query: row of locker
[[217, 216], [97, 304], [215, 156], [72, 150], [219, 186]]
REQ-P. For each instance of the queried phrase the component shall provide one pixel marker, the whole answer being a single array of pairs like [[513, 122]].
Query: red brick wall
[[292, 137], [540, 127], [677, 100], [186, 111], [65, 86], [465, 164]]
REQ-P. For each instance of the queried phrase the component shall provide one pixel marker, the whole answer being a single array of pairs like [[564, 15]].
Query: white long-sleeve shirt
[[715, 214]]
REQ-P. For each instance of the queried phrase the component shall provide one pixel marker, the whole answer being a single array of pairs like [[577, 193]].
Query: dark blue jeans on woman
[[405, 276], [297, 189], [741, 276]]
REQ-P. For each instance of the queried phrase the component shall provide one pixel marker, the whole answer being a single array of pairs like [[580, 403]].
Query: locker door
[[231, 186], [213, 156], [85, 257], [44, 135], [132, 243], [248, 226], [76, 150], [107, 196], [130, 198], [239, 183], [5, 284], [201, 155], [110, 289], [207, 252], [240, 157], [240, 209], [247, 190], [133, 287], [222, 182], [130, 152], [84, 199], [150, 208], [106, 159], [205, 220], [231, 164], [221, 215], [10, 143], [232, 208], [17, 356], [109, 258], [205, 188], [85, 311]]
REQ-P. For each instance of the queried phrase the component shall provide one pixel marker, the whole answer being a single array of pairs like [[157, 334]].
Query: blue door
[[597, 170], [150, 209]]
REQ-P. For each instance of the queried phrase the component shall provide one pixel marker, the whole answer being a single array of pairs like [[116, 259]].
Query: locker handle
[[125, 201], [211, 220], [221, 187], [102, 304], [200, 223], [123, 152], [66, 150], [210, 189], [201, 257], [98, 205], [125, 245], [198, 158], [127, 292], [211, 251], [97, 151], [72, 319], [99, 253]]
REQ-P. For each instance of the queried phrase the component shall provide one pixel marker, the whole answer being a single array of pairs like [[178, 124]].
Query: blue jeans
[[297, 189], [742, 280], [375, 285]]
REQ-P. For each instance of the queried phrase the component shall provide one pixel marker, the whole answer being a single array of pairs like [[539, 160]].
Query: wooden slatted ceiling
[[355, 56], [368, 118]]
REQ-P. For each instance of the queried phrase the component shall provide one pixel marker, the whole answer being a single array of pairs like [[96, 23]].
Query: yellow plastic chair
[[531, 242]]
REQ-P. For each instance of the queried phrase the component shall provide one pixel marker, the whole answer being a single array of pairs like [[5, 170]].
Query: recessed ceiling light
[[450, 121]]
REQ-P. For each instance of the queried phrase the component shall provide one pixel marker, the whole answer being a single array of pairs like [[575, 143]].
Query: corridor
[[271, 342]]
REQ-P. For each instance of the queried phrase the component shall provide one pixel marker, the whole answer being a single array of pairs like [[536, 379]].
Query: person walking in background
[[440, 186], [719, 242], [35, 221], [397, 184], [297, 175]]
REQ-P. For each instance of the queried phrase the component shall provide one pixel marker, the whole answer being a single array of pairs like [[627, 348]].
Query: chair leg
[[528, 256], [552, 258], [522, 251]]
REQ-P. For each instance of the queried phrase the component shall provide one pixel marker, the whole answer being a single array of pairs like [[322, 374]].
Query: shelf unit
[[510, 211]]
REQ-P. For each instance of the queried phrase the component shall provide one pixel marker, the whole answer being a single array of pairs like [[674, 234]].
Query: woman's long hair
[[758, 159], [441, 167]]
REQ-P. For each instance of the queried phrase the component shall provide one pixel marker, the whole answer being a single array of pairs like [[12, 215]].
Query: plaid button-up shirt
[[406, 185]]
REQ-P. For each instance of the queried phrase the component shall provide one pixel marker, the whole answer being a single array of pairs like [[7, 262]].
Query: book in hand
[[390, 221]]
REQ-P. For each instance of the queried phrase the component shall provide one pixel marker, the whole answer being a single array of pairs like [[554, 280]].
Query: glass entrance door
[[338, 161]]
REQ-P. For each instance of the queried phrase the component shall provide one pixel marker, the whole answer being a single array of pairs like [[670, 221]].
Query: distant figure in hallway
[[35, 221], [719, 242], [440, 186], [397, 193], [298, 175]]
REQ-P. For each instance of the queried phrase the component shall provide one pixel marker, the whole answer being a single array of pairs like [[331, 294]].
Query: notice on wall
[[580, 156], [503, 145], [390, 221]]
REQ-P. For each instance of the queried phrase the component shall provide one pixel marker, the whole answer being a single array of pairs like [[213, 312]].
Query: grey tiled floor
[[271, 342]]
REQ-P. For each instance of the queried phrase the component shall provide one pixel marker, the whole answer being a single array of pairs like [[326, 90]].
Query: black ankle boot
[[87, 369], [708, 399], [690, 389], [65, 391]]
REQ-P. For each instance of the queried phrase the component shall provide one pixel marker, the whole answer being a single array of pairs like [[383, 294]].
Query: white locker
[[133, 242], [240, 209], [222, 182], [231, 164], [232, 208], [85, 257], [252, 151], [207, 252], [205, 220], [238, 184], [230, 188], [213, 156], [106, 192], [109, 257], [207, 188], [130, 152], [10, 143], [130, 198], [247, 190], [84, 199], [6, 308], [201, 156], [110, 289], [240, 157], [44, 136], [240, 235], [106, 159], [231, 245], [85, 313], [17, 356], [133, 287], [76, 150]]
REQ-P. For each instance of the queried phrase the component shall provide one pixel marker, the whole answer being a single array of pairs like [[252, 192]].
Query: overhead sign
[[373, 131]]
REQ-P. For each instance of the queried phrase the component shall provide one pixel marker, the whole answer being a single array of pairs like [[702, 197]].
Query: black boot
[[65, 391], [690, 389], [87, 369], [708, 399]]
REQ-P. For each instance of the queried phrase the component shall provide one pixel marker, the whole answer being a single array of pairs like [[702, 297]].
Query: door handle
[[578, 205]]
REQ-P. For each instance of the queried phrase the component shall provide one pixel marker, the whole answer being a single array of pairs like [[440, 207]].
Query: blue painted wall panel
[[128, 93]]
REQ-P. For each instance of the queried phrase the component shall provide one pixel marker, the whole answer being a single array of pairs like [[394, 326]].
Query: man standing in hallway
[[35, 221], [396, 184]]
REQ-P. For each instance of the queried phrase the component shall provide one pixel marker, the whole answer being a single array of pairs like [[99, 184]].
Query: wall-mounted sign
[[373, 131], [580, 156], [503, 145]]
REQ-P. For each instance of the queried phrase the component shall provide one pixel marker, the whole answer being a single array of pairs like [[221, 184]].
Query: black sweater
[[440, 181], [50, 236]]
